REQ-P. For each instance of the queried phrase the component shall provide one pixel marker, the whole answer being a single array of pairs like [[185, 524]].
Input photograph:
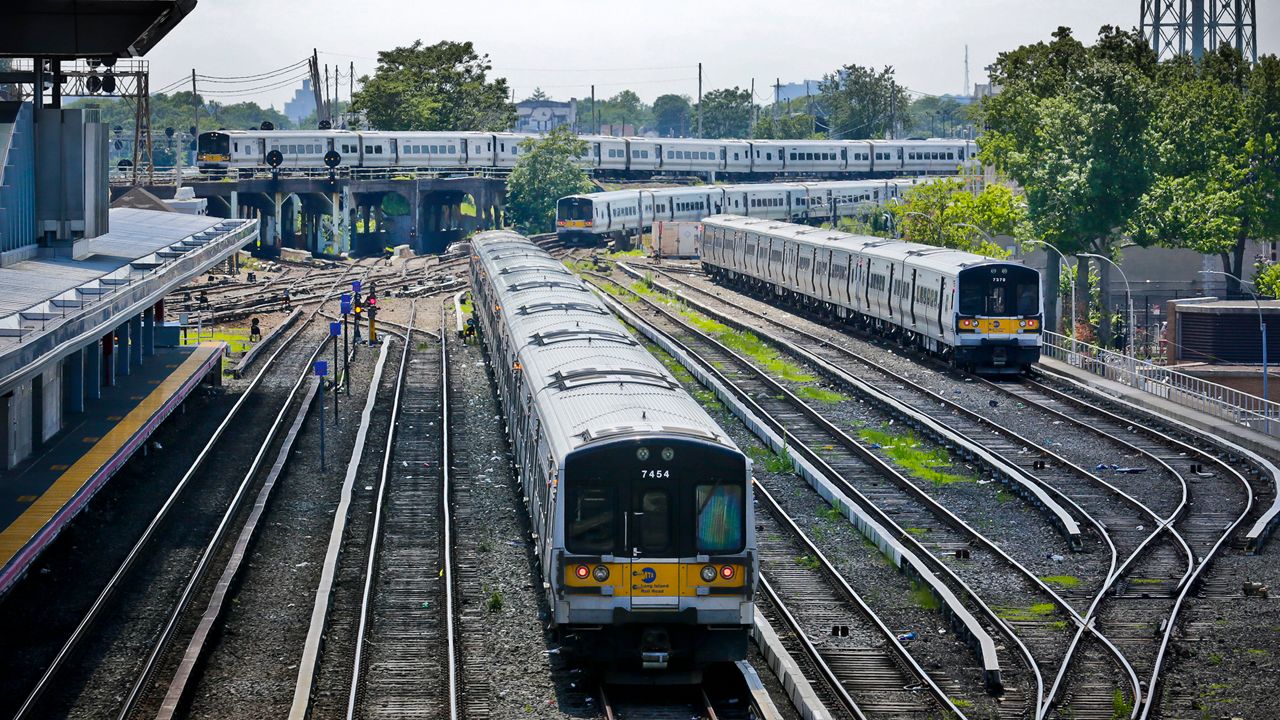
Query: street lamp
[[1128, 293], [1073, 289], [1262, 325]]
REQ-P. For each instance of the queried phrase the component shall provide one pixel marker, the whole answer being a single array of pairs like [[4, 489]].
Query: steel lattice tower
[[1177, 27]]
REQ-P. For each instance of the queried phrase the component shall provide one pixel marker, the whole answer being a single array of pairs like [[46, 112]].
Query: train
[[640, 505], [590, 218], [247, 150], [979, 313]]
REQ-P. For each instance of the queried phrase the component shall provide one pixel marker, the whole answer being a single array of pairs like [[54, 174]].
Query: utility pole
[[966, 71], [893, 108], [315, 85], [195, 108], [699, 99], [754, 119], [595, 116], [777, 98], [328, 104]]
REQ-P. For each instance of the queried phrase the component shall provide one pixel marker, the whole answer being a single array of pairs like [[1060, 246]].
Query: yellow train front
[[653, 554]]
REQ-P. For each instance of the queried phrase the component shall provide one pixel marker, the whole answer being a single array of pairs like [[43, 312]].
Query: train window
[[719, 517], [670, 155], [735, 156], [768, 156], [654, 520], [591, 516], [453, 150], [793, 156]]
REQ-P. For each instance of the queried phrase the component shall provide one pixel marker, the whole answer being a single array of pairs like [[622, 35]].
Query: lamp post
[[1073, 290], [1128, 291], [1262, 325]]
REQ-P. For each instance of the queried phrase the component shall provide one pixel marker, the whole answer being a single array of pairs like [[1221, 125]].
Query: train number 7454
[[655, 473]]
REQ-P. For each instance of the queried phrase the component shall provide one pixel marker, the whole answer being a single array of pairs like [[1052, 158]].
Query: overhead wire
[[257, 76]]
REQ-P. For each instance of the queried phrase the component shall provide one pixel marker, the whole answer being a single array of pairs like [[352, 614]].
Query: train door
[[651, 533], [913, 296], [724, 157], [595, 150], [888, 294]]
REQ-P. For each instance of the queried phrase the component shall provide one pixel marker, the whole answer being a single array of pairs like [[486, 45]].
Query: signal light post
[[346, 350], [334, 329], [321, 369]]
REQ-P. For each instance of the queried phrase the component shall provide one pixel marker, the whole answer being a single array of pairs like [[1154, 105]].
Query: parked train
[[640, 504], [620, 156], [981, 313], [591, 217]]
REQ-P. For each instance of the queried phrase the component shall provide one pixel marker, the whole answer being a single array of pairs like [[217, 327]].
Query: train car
[[980, 313], [594, 217], [640, 505]]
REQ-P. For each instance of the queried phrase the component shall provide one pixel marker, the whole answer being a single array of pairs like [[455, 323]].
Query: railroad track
[[883, 493], [1143, 590], [863, 666], [160, 530], [406, 661]]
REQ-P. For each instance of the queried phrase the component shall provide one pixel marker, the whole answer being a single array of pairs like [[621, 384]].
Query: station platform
[[38, 498]]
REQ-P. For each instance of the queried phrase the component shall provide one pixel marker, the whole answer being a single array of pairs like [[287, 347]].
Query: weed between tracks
[[1062, 581], [1034, 613], [906, 451], [773, 462]]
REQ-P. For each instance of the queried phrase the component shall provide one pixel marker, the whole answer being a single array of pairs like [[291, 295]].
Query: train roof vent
[[582, 377], [566, 306], [544, 267], [588, 334], [929, 251], [532, 284], [647, 429]]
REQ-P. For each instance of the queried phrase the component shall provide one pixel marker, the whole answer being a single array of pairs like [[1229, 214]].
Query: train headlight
[[642, 454], [708, 573], [667, 454], [601, 573], [1022, 323], [582, 571], [726, 572]]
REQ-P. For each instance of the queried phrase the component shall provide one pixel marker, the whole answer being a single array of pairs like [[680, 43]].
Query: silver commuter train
[[618, 156], [981, 313], [591, 217], [639, 503]]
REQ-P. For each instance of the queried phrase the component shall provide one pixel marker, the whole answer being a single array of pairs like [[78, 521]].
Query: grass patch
[[906, 451], [832, 513], [961, 703], [674, 367], [1145, 581], [817, 394], [235, 338], [467, 306], [1121, 708], [1038, 611], [1003, 496], [918, 532], [1215, 658], [1256, 651], [771, 461], [925, 598], [633, 252], [808, 562], [494, 603], [1062, 581]]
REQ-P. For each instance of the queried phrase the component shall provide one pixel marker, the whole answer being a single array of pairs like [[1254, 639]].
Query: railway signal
[[346, 350], [334, 329], [321, 369]]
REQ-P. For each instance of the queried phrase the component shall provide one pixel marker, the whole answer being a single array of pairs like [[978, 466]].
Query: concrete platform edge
[[784, 666], [31, 551]]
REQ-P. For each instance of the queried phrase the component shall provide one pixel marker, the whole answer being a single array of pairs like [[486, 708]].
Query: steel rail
[[1115, 573], [1189, 582], [904, 548], [850, 595], [135, 553], [455, 693]]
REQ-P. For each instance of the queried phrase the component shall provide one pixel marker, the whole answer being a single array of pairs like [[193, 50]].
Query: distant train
[[591, 217], [640, 505], [618, 156], [981, 313]]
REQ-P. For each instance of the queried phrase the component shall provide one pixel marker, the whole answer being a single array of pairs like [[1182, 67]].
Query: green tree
[[537, 95], [546, 171], [1071, 126], [862, 103], [438, 87], [1215, 132], [788, 125], [726, 113], [671, 115], [945, 213]]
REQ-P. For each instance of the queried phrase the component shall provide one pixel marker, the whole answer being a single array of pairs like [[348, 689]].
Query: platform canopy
[[68, 29]]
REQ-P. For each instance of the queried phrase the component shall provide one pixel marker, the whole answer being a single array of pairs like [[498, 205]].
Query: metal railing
[[1221, 401]]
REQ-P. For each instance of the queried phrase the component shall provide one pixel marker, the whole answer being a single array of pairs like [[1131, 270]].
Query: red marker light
[[582, 572], [726, 572]]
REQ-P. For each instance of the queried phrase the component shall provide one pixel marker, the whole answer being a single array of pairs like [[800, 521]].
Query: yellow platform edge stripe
[[22, 530]]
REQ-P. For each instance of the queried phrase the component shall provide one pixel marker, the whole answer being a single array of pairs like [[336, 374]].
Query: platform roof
[[68, 29], [51, 306]]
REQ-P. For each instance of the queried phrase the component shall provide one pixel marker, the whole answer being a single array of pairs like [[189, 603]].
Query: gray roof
[[592, 381]]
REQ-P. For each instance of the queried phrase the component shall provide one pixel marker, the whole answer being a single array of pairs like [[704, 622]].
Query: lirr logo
[[648, 575]]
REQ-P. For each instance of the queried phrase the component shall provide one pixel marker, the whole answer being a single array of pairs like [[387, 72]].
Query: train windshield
[[574, 209], [215, 143], [999, 291], [674, 499]]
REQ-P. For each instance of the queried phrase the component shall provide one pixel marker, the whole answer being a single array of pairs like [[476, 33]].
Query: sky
[[652, 48]]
